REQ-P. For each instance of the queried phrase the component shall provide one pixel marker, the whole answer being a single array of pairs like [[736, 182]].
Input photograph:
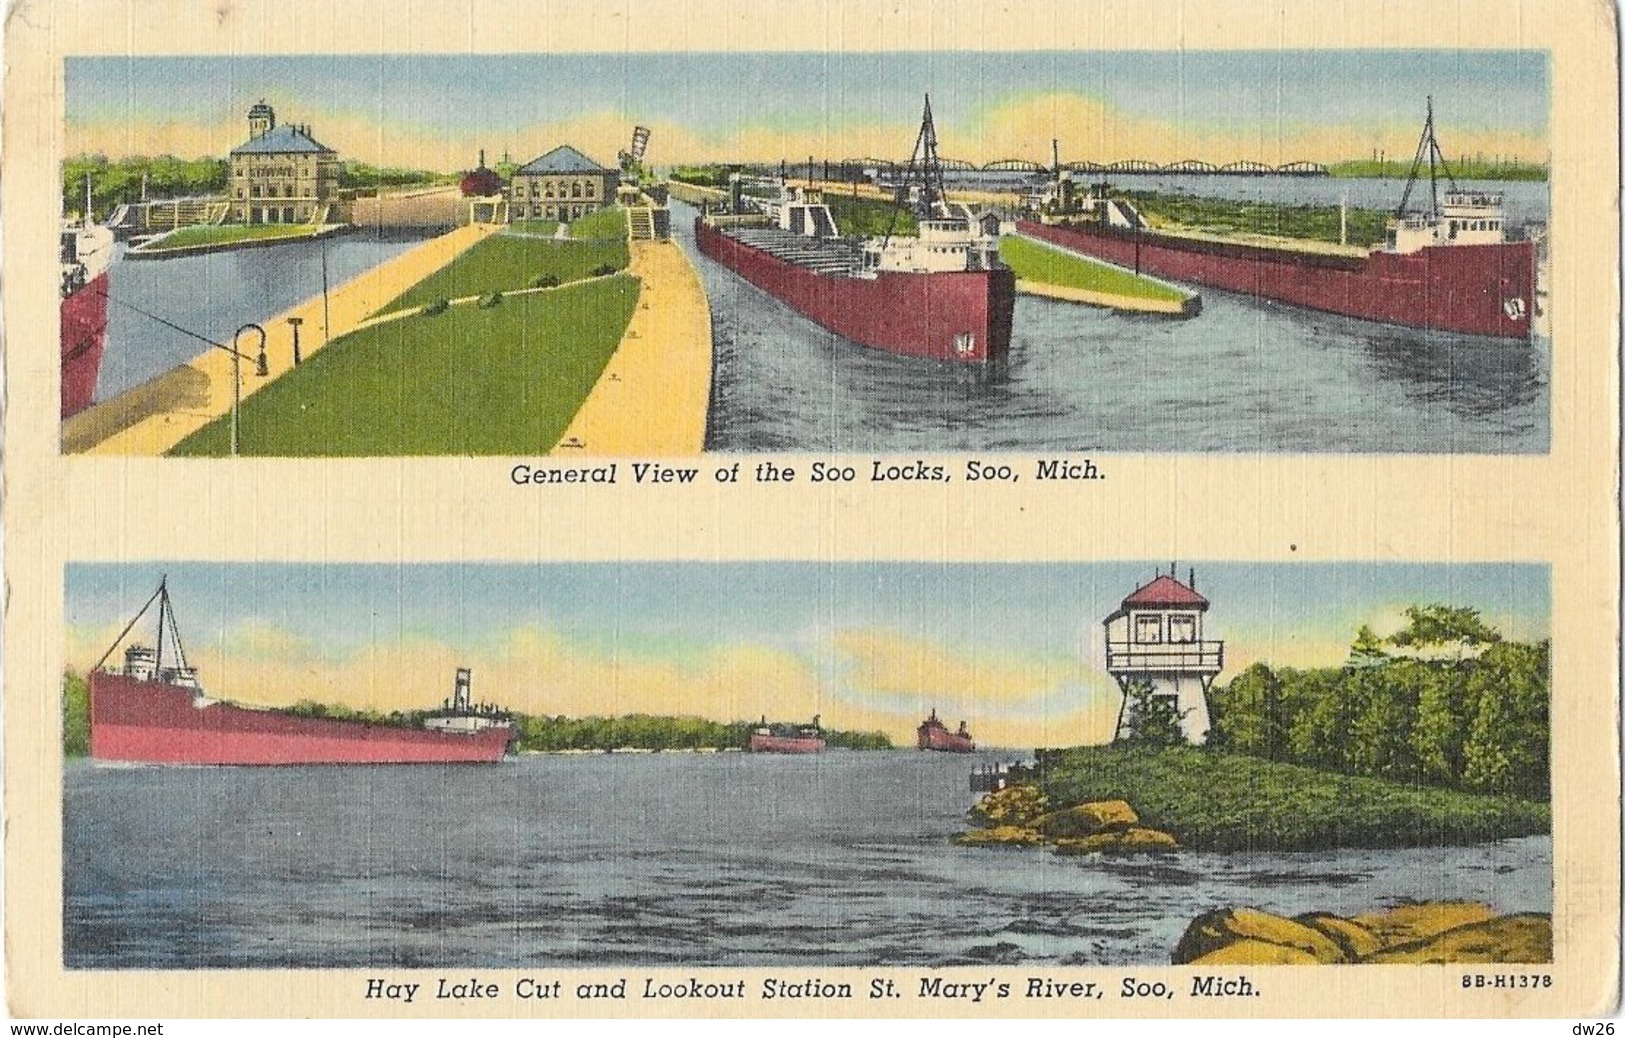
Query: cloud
[[1017, 127]]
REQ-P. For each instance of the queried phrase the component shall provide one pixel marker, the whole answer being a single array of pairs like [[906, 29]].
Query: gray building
[[561, 185], [281, 174]]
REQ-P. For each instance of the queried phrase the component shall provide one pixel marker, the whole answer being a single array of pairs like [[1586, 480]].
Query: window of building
[[1182, 629], [549, 189], [1148, 630], [575, 189], [589, 189]]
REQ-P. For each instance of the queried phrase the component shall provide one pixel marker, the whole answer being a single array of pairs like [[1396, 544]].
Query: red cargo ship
[[943, 295], [787, 738], [87, 253], [152, 713], [1448, 268], [934, 735]]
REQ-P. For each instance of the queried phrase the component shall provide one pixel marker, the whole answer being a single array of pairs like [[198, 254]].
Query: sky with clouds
[[1016, 650], [435, 111]]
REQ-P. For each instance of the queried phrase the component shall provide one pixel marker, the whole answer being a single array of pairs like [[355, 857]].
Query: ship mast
[[166, 613], [1427, 147], [924, 165]]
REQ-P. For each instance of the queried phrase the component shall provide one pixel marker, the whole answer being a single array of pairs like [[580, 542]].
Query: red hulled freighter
[[87, 253], [787, 738], [934, 735], [1448, 267], [154, 711], [942, 295]]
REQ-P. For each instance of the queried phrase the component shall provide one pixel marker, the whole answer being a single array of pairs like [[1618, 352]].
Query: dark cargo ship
[[934, 735], [942, 295], [1447, 268], [154, 711], [787, 738]]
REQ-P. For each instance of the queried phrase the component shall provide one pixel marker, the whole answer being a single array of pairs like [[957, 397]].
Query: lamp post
[[296, 322], [261, 368]]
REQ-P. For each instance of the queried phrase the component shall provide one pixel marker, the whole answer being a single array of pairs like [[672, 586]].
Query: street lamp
[[296, 322], [261, 368]]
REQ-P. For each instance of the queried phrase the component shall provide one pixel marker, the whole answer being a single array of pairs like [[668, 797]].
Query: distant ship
[[1446, 268], [943, 295], [155, 712], [87, 253], [787, 738], [934, 735]]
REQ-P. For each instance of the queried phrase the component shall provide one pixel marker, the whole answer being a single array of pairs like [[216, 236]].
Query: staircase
[[640, 224]]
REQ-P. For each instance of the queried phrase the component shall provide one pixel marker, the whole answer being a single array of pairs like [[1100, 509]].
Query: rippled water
[[1245, 375], [664, 859], [216, 293]]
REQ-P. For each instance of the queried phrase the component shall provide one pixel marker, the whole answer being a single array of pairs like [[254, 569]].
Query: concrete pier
[[653, 396], [151, 418]]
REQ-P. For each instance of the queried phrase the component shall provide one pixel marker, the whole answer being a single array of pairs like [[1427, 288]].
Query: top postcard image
[[660, 254]]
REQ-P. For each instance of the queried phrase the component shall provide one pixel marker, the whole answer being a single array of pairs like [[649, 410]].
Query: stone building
[[561, 185], [282, 174]]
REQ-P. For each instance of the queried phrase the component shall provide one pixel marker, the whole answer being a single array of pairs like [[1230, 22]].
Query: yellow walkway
[[151, 418], [654, 393]]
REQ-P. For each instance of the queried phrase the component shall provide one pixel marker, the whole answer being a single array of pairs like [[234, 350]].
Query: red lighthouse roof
[[1165, 592]]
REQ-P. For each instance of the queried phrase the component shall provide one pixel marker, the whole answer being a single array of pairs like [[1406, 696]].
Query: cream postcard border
[[1559, 508]]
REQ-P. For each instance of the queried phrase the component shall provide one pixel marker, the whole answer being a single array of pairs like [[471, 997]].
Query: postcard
[[812, 510]]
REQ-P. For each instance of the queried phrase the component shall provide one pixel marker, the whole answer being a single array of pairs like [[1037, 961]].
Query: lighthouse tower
[[1156, 637]]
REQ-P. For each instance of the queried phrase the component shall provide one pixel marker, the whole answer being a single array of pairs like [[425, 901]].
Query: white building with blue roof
[[282, 174], [561, 185]]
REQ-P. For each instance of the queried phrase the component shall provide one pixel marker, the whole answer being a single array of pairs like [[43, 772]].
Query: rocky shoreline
[[1427, 932], [1424, 932]]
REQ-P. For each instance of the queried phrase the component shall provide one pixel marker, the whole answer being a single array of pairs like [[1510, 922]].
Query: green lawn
[[222, 234], [1366, 227], [605, 223], [1227, 801], [470, 381], [1034, 262], [502, 264], [544, 228]]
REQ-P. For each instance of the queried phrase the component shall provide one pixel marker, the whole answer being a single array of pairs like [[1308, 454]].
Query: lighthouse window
[[1148, 630], [1182, 629]]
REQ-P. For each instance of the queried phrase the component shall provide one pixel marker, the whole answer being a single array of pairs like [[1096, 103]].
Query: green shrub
[[439, 306], [490, 300], [545, 281], [603, 270]]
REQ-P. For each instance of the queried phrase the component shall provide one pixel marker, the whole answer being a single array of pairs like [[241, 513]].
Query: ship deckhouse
[[1156, 636]]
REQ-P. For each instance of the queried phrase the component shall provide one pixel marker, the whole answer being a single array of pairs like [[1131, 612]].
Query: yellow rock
[[1356, 941], [1210, 932], [1250, 952], [1408, 924], [999, 836], [1013, 805], [1526, 937], [1132, 840], [1087, 819]]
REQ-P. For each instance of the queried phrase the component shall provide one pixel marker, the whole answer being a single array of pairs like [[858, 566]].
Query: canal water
[[656, 859], [216, 293], [1246, 375]]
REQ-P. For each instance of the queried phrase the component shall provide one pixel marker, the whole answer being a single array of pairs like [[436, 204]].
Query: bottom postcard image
[[800, 765]]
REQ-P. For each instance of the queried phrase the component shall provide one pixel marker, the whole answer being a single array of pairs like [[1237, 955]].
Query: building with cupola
[[564, 184], [1156, 637], [282, 174]]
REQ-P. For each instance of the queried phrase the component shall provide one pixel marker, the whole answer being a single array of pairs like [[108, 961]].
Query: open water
[[659, 859], [1245, 375], [216, 293]]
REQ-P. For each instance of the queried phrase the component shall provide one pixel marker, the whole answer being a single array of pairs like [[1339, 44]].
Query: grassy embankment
[[231, 234], [1034, 262], [503, 377], [1367, 227], [1226, 801], [472, 380], [1473, 169], [506, 264]]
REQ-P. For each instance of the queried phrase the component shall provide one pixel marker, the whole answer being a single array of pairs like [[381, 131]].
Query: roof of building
[[1163, 592], [563, 159], [282, 140]]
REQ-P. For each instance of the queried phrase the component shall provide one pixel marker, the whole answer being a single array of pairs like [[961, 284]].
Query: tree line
[[1446, 701]]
